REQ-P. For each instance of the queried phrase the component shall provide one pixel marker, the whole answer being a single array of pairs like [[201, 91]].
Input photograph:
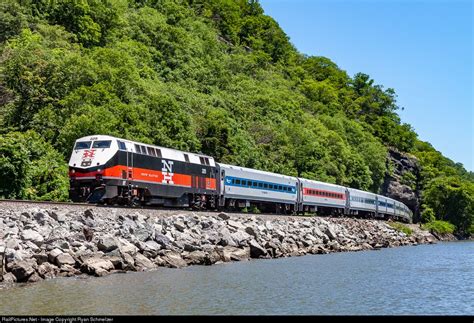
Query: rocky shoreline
[[43, 242]]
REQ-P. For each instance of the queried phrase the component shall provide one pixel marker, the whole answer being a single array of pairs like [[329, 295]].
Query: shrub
[[428, 215], [254, 209], [440, 227], [400, 227]]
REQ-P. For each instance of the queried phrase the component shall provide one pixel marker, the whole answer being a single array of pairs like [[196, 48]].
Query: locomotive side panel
[[126, 169]]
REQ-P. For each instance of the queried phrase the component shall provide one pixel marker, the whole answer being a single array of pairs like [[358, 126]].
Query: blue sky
[[422, 49]]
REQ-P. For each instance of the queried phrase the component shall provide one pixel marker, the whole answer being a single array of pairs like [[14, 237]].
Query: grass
[[254, 209], [438, 226], [400, 227]]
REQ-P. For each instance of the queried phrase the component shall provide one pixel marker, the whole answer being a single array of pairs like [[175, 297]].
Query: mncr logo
[[88, 153]]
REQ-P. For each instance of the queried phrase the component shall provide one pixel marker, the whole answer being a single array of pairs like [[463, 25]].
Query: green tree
[[31, 169], [452, 199]]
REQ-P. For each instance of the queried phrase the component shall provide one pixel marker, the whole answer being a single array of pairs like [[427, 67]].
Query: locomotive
[[111, 170]]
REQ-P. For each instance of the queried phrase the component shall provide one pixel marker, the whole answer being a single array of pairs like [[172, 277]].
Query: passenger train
[[110, 170]]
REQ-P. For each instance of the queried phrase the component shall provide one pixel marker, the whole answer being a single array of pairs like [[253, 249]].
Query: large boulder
[[97, 266], [58, 216], [33, 236], [251, 231], [142, 233], [53, 254], [143, 263], [13, 244], [40, 217], [226, 238], [235, 254], [163, 241], [180, 226], [9, 278], [107, 243], [196, 257], [174, 260], [235, 225], [22, 270], [47, 270], [127, 247], [65, 259], [241, 238], [256, 250], [223, 216], [331, 232]]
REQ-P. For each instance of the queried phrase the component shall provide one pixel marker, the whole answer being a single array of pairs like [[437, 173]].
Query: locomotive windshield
[[102, 144], [83, 145]]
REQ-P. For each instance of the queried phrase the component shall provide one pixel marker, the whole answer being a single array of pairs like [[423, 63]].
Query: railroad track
[[163, 209], [43, 202], [136, 208], [139, 207]]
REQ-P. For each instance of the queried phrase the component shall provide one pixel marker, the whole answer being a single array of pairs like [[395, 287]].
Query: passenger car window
[[121, 145], [83, 145], [151, 151], [101, 144]]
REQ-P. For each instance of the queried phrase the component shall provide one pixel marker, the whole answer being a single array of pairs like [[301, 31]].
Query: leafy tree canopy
[[216, 76]]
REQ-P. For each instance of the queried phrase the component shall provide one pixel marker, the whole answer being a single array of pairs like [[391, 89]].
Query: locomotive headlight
[[99, 170], [73, 171]]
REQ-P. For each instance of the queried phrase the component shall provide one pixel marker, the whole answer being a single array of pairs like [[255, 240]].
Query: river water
[[428, 279]]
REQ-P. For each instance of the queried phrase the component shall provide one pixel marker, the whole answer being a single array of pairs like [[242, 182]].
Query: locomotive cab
[[87, 165]]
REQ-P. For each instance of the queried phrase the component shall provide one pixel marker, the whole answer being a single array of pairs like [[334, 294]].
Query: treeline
[[212, 76]]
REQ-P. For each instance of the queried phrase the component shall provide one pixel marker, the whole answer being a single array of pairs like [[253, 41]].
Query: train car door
[[129, 174], [376, 206], [347, 208], [221, 187]]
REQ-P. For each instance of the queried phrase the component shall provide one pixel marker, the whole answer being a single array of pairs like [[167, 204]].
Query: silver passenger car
[[362, 201], [315, 194], [246, 184]]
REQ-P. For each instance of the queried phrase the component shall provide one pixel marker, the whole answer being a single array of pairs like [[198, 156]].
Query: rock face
[[38, 244], [403, 183]]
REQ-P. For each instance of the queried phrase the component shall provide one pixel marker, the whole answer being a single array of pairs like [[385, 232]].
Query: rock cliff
[[402, 180]]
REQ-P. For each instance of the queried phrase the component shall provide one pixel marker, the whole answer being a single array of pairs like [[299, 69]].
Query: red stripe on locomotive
[[148, 175]]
